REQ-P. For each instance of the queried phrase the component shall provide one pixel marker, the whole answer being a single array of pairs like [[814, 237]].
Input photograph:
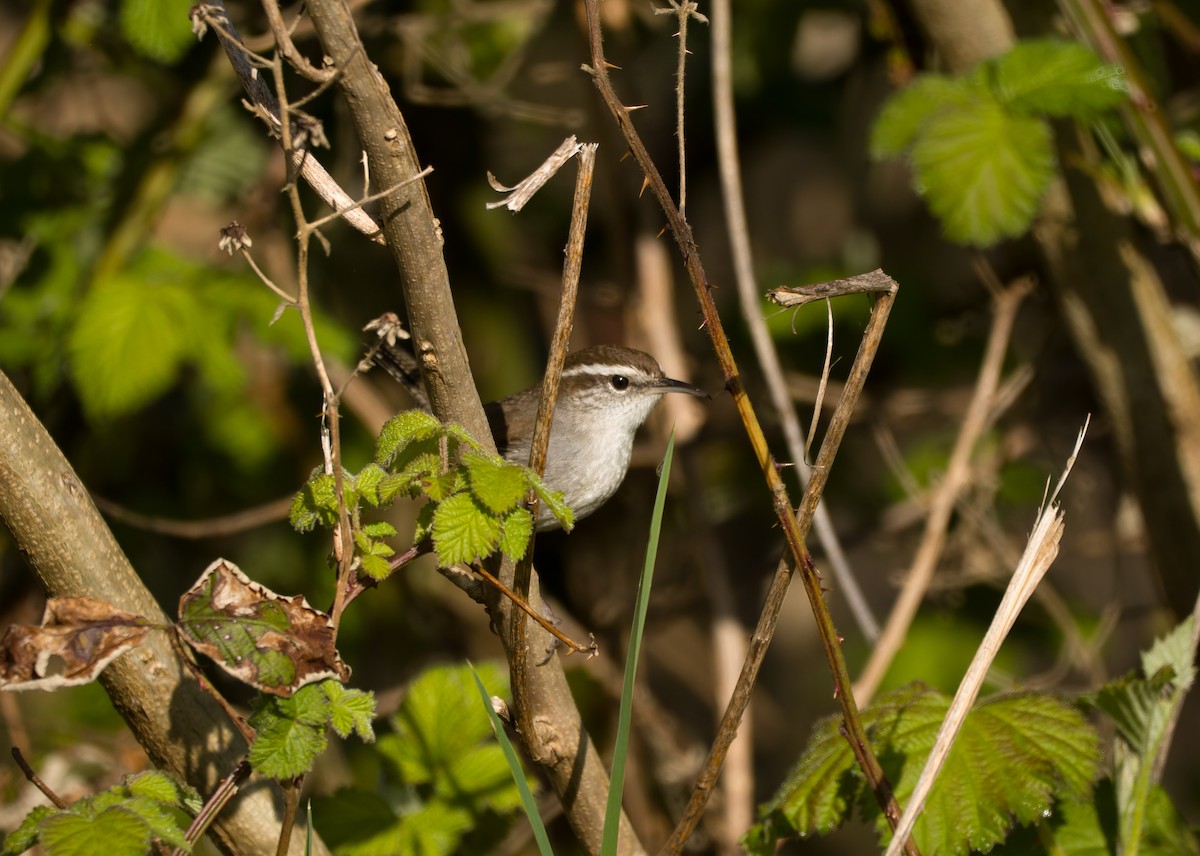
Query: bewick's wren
[[606, 393]]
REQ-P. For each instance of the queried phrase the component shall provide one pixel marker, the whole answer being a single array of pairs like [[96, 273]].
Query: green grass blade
[[612, 814], [518, 773]]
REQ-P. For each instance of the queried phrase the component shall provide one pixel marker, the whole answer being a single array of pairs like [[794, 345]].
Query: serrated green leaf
[[379, 529], [367, 483], [158, 29], [375, 567], [26, 834], [1176, 652], [122, 831], [496, 483], [164, 788], [439, 722], [289, 732], [315, 503], [1130, 702], [983, 171], [162, 822], [402, 430], [1050, 77], [350, 711], [516, 532], [553, 500], [424, 527], [437, 486], [1014, 756], [463, 530], [906, 112], [128, 344]]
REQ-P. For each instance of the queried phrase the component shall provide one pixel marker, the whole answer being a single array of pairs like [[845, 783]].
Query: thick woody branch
[[73, 553]]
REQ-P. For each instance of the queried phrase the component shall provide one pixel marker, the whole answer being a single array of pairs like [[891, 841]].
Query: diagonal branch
[[801, 559]]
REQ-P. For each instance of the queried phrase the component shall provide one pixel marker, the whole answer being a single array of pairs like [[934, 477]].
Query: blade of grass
[[612, 815], [518, 772]]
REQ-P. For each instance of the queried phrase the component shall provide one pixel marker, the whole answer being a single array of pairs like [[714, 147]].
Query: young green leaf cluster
[[291, 732], [980, 143], [1016, 755], [144, 808], [450, 778], [474, 506]]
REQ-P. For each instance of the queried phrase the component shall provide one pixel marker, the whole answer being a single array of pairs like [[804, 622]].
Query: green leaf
[[463, 531], [158, 29], [983, 171], [1175, 651], [379, 529], [122, 832], [1050, 77], [315, 503], [439, 722], [164, 788], [1015, 755], [906, 113], [553, 500], [497, 484], [160, 821], [289, 732], [26, 834], [517, 530], [368, 481], [405, 428], [358, 823], [350, 711], [376, 567], [129, 343]]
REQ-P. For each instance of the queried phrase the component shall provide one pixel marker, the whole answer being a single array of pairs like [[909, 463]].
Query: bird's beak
[[669, 384]]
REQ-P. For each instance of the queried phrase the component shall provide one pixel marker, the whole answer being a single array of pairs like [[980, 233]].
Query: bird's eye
[[619, 382]]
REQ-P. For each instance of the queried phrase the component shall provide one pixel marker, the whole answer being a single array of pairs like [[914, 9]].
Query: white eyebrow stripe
[[593, 369]]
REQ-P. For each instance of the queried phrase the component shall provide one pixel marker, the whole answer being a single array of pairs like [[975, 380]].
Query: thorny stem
[[799, 551], [525, 609], [747, 288], [683, 11]]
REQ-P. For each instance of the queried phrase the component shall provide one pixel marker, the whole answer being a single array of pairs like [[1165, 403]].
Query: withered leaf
[[274, 643], [77, 638]]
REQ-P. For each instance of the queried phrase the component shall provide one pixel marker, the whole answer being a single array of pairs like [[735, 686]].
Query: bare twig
[[1040, 552], [212, 527], [748, 297], [957, 472], [525, 609], [36, 781], [683, 10]]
